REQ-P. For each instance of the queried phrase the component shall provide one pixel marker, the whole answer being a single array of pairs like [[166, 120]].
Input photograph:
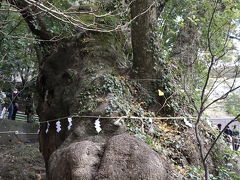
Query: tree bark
[[142, 36], [144, 42], [33, 19]]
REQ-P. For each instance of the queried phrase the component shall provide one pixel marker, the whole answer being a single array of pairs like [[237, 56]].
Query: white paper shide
[[69, 123], [58, 126], [48, 125], [98, 125]]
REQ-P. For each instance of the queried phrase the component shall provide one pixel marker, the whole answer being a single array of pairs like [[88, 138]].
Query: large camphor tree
[[80, 79]]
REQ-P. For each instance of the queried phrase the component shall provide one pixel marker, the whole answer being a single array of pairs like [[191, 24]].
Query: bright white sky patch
[[179, 19]]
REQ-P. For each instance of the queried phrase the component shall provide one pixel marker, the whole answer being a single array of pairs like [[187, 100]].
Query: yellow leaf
[[160, 93]]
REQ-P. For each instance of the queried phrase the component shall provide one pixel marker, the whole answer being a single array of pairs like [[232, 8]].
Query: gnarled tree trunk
[[83, 66], [80, 76]]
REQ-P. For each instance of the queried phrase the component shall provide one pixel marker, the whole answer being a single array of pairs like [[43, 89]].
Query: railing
[[20, 116]]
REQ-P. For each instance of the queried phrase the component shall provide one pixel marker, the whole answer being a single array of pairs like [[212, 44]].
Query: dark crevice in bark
[[101, 156]]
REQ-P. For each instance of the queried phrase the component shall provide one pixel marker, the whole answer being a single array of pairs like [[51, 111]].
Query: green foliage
[[225, 173], [94, 93], [177, 26], [116, 87], [226, 160], [17, 53], [62, 4], [232, 104], [195, 173]]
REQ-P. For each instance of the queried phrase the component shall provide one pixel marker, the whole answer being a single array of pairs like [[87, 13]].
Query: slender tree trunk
[[142, 37]]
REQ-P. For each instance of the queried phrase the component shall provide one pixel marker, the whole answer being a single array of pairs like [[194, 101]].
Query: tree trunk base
[[120, 157]]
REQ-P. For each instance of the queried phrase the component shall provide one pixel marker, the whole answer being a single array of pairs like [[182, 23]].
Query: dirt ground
[[21, 161]]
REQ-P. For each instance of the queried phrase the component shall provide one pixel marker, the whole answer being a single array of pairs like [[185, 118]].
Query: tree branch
[[35, 23]]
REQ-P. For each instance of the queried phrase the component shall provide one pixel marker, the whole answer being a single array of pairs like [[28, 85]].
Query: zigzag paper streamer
[[97, 125], [39, 126], [48, 125], [69, 123], [187, 123], [58, 126]]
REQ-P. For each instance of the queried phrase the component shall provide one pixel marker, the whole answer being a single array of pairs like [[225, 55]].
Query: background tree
[[142, 32], [214, 45]]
